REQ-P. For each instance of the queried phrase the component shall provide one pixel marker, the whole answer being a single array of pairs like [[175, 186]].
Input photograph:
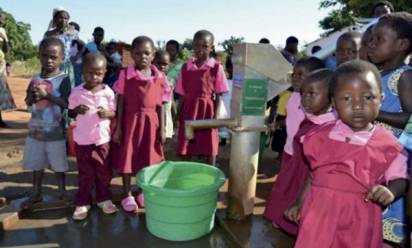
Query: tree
[[187, 44], [348, 10], [160, 44], [229, 43], [21, 46]]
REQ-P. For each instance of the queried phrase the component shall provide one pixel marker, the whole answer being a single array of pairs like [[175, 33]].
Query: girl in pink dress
[[291, 178], [200, 85], [139, 133], [356, 167], [294, 116]]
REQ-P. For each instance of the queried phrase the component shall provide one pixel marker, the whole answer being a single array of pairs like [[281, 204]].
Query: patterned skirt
[[6, 99]]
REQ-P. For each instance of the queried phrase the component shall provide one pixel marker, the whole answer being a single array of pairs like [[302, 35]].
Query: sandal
[[80, 213], [108, 207], [129, 204], [140, 200], [31, 201]]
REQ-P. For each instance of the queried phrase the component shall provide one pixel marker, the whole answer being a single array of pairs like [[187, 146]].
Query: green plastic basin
[[180, 198]]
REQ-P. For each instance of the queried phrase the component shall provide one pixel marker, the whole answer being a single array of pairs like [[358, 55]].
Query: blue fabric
[[78, 77], [394, 217]]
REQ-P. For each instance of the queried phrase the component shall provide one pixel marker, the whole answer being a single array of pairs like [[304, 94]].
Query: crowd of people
[[343, 176]]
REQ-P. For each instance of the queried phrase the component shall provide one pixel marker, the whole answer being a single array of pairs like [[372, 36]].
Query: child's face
[[172, 51], [357, 99], [61, 19], [51, 58], [315, 97], [162, 63], [98, 37], [383, 45], [93, 73], [202, 47], [299, 73], [346, 50], [363, 51], [143, 55]]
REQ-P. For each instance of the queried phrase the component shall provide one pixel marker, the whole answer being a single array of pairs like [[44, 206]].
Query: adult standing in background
[[6, 99], [59, 27], [290, 52]]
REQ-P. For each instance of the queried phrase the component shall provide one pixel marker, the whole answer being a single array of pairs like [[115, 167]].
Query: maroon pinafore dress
[[140, 145], [289, 183], [198, 104], [335, 213]]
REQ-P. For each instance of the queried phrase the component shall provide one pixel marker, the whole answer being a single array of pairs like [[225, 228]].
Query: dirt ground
[[16, 183]]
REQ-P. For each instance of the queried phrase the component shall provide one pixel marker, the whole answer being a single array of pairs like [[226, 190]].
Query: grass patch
[[25, 69]]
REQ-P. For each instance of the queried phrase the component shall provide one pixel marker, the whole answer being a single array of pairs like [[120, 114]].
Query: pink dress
[[294, 116], [199, 86], [335, 213], [292, 176], [140, 145]]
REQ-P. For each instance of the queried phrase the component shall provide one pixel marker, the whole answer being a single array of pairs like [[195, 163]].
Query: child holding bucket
[[93, 105], [200, 85], [139, 133]]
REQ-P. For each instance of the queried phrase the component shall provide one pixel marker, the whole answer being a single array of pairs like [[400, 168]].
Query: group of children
[[121, 129], [342, 164], [339, 168]]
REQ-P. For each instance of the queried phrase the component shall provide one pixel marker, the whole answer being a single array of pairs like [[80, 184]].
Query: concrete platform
[[54, 228]]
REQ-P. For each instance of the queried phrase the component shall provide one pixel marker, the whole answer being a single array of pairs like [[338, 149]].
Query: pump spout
[[190, 126]]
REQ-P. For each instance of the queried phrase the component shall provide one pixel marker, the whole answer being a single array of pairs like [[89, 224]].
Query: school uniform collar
[[131, 72], [323, 118], [210, 62], [342, 132]]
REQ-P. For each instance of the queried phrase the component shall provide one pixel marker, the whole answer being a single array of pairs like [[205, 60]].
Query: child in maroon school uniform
[[139, 134], [93, 105], [200, 85], [357, 167], [290, 181]]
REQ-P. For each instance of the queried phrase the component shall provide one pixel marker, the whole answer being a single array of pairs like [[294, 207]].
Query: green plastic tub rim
[[203, 189]]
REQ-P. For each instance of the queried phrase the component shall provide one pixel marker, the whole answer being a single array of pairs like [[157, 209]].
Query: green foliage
[[337, 20], [21, 46], [228, 44], [348, 10], [185, 54], [187, 44]]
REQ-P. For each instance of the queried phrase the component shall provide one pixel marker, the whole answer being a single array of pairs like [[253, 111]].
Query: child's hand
[[272, 127], [42, 92], [275, 126], [35, 95], [117, 135], [103, 113], [381, 195], [293, 213], [81, 109]]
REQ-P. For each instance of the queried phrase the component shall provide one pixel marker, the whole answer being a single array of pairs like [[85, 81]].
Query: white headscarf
[[55, 11]]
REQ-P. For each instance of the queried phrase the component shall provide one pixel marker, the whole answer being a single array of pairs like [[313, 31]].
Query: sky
[[178, 19]]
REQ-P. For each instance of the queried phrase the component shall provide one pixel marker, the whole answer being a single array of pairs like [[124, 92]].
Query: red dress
[[290, 181], [199, 88], [335, 213], [140, 145]]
